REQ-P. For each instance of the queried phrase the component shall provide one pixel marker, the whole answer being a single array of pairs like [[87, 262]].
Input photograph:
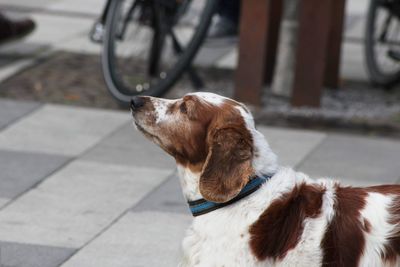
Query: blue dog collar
[[202, 206]]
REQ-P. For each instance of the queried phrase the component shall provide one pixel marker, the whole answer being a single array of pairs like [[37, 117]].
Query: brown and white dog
[[291, 220]]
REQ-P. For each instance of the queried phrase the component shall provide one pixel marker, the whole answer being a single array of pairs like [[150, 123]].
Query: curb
[[334, 124]]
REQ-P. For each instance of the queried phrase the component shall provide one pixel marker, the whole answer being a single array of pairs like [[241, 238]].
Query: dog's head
[[205, 132]]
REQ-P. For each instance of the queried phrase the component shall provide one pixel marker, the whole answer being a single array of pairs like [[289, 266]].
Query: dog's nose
[[136, 103]]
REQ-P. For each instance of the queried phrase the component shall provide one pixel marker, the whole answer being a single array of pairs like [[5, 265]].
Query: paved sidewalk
[[81, 188]]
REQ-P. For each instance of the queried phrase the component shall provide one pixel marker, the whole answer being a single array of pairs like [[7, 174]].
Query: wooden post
[[274, 25], [311, 52], [332, 70], [255, 46]]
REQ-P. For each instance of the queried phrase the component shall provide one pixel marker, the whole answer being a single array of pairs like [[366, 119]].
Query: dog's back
[[362, 226]]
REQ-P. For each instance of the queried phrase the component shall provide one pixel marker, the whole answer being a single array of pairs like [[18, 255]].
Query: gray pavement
[[80, 187]]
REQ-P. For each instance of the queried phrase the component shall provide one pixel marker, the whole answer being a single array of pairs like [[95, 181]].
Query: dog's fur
[[291, 220]]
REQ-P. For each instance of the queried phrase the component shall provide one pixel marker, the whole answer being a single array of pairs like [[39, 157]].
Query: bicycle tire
[[118, 89], [376, 74]]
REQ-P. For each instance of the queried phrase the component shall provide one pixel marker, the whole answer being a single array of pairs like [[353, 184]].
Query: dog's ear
[[228, 165]]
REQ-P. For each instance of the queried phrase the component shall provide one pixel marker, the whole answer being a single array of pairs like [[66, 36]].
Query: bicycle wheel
[[382, 42], [148, 45]]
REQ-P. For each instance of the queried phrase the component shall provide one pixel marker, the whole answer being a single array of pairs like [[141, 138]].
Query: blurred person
[[227, 24], [13, 29]]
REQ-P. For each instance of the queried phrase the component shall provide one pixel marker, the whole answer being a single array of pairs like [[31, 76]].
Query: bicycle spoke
[[157, 44], [127, 19], [382, 36], [154, 56], [194, 77]]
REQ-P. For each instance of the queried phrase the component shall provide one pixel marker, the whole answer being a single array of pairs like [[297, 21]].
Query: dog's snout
[[136, 103]]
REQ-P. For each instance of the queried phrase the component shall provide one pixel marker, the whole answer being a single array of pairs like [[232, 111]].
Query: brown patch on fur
[[280, 227], [385, 189], [392, 249], [188, 136], [195, 167], [344, 240]]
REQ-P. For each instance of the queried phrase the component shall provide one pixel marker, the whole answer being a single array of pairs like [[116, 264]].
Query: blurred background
[[79, 187]]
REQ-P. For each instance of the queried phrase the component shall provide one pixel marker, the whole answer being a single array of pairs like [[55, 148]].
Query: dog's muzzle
[[136, 103]]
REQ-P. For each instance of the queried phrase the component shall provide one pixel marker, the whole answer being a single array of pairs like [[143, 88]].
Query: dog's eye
[[182, 108]]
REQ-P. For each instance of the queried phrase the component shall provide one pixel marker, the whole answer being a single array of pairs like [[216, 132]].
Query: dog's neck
[[264, 162], [189, 183]]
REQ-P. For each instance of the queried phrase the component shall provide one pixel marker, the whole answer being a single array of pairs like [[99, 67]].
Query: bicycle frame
[[103, 16]]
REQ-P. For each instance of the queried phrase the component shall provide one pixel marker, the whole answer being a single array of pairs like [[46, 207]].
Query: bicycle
[[149, 44], [382, 42]]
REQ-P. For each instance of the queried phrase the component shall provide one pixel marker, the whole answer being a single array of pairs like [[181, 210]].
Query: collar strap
[[202, 206]]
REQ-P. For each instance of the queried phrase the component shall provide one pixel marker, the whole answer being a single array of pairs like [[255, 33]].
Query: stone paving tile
[[291, 146], [211, 53], [22, 49], [355, 27], [4, 201], [127, 146], [14, 67], [28, 3], [12, 110], [229, 60], [93, 7], [20, 171], [355, 158], [352, 63], [357, 7], [167, 197], [136, 240], [57, 129], [53, 29], [73, 205], [80, 44], [26, 255]]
